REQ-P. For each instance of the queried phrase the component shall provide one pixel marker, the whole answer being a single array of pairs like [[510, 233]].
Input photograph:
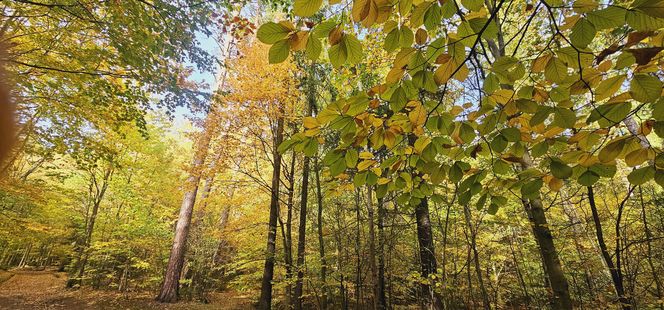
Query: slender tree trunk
[[358, 254], [372, 247], [519, 274], [476, 257], [615, 274], [302, 231], [321, 241], [427, 254], [288, 235], [265, 301], [381, 302], [653, 270], [96, 202], [171, 285], [552, 267]]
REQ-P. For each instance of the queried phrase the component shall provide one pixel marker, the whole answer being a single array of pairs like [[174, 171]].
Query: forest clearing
[[340, 154]]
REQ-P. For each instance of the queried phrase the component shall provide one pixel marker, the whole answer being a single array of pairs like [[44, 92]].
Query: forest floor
[[46, 290]]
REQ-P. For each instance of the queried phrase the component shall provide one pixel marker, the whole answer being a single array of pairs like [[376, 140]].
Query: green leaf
[[511, 134], [466, 133], [641, 175], [455, 173], [279, 52], [354, 48], [531, 189], [560, 170], [645, 88], [311, 147], [608, 87], [588, 178], [360, 179], [653, 8], [499, 143], [611, 114], [313, 49], [555, 70], [306, 8], [539, 149], [337, 167], [270, 33], [501, 167], [351, 158], [643, 22], [611, 17], [612, 150], [583, 33], [564, 118]]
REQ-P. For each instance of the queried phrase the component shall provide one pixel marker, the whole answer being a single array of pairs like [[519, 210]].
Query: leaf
[[637, 157], [641, 176], [583, 33], [611, 17], [466, 132], [612, 150], [564, 118], [278, 52], [313, 49], [531, 189], [337, 167], [351, 158], [270, 32], [555, 71], [653, 8], [560, 170], [645, 88], [353, 47], [511, 134], [588, 178], [609, 87], [643, 22], [306, 8]]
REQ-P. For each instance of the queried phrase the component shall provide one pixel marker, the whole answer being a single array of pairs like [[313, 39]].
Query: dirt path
[[46, 290]]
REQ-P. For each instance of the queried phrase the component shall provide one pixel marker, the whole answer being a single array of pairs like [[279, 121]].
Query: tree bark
[[616, 277], [171, 285], [97, 197], [321, 241], [649, 236], [372, 248], [302, 231], [476, 257], [552, 268], [265, 301], [381, 301], [427, 254]]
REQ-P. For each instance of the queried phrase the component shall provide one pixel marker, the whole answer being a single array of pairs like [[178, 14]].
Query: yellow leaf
[[421, 143], [310, 122], [418, 116], [363, 165], [366, 155]]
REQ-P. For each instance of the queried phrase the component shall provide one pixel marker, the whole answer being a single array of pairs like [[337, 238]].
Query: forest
[[338, 154]]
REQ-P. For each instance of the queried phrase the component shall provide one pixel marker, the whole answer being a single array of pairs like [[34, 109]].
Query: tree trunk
[[476, 257], [372, 248], [321, 241], [98, 195], [170, 286], [302, 231], [649, 236], [615, 274], [381, 302], [552, 267], [427, 254], [265, 301]]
